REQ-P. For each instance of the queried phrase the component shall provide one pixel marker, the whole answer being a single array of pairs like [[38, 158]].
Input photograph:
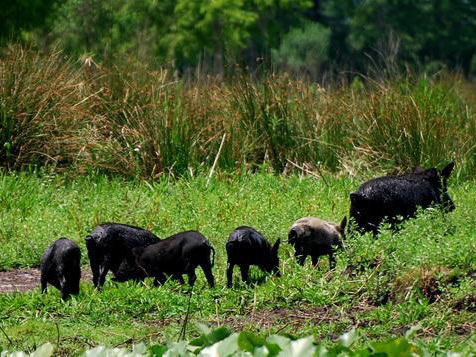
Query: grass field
[[424, 275]]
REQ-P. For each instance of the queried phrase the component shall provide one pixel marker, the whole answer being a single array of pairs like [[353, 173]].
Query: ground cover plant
[[221, 342], [423, 275]]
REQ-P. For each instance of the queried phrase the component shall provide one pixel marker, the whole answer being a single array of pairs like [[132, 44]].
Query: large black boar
[[246, 246], [61, 267], [110, 248], [315, 237], [178, 254], [396, 198]]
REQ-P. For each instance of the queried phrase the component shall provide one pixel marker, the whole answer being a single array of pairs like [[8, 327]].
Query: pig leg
[[207, 270], [299, 254], [314, 259], [73, 280], [95, 277], [53, 277], [44, 283], [229, 275], [95, 270], [102, 276], [63, 287], [301, 258], [105, 268], [45, 276], [178, 278], [65, 295], [96, 256], [192, 277], [244, 273]]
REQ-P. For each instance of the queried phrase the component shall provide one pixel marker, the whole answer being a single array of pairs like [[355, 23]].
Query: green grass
[[424, 275]]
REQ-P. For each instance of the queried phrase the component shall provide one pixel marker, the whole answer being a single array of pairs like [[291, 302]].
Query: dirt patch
[[28, 279], [297, 317]]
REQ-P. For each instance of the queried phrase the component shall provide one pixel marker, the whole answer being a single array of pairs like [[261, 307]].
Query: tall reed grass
[[141, 123]]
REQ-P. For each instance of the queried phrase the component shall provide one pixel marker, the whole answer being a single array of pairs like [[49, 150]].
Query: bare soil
[[28, 279], [296, 318]]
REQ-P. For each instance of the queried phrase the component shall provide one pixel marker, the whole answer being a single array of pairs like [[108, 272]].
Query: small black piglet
[[246, 246], [178, 254], [110, 247], [61, 267]]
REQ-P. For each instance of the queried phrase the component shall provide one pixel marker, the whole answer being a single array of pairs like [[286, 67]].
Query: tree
[[304, 50], [19, 15], [423, 30], [235, 28]]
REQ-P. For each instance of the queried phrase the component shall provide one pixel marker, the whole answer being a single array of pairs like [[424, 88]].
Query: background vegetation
[[143, 88], [214, 35], [424, 275], [132, 121]]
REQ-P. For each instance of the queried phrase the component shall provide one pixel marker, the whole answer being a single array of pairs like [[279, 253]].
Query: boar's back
[[399, 194], [130, 236]]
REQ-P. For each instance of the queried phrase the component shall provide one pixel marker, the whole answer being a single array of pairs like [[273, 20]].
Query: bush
[[304, 50]]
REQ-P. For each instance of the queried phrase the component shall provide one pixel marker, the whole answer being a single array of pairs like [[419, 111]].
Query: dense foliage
[[352, 35]]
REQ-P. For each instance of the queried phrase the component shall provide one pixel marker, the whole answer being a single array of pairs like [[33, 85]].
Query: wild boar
[[110, 248], [316, 237], [176, 255], [246, 246], [61, 267], [396, 198]]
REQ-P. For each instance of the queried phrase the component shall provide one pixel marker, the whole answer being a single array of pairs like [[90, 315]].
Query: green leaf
[[248, 341], [178, 349], [140, 349], [203, 329], [281, 341], [395, 348], [273, 349], [348, 338], [198, 342], [218, 335], [226, 347], [45, 350], [157, 350], [300, 348], [211, 338], [321, 351]]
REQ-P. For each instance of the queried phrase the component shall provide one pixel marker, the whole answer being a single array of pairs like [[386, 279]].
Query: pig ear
[[275, 248], [446, 172]]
